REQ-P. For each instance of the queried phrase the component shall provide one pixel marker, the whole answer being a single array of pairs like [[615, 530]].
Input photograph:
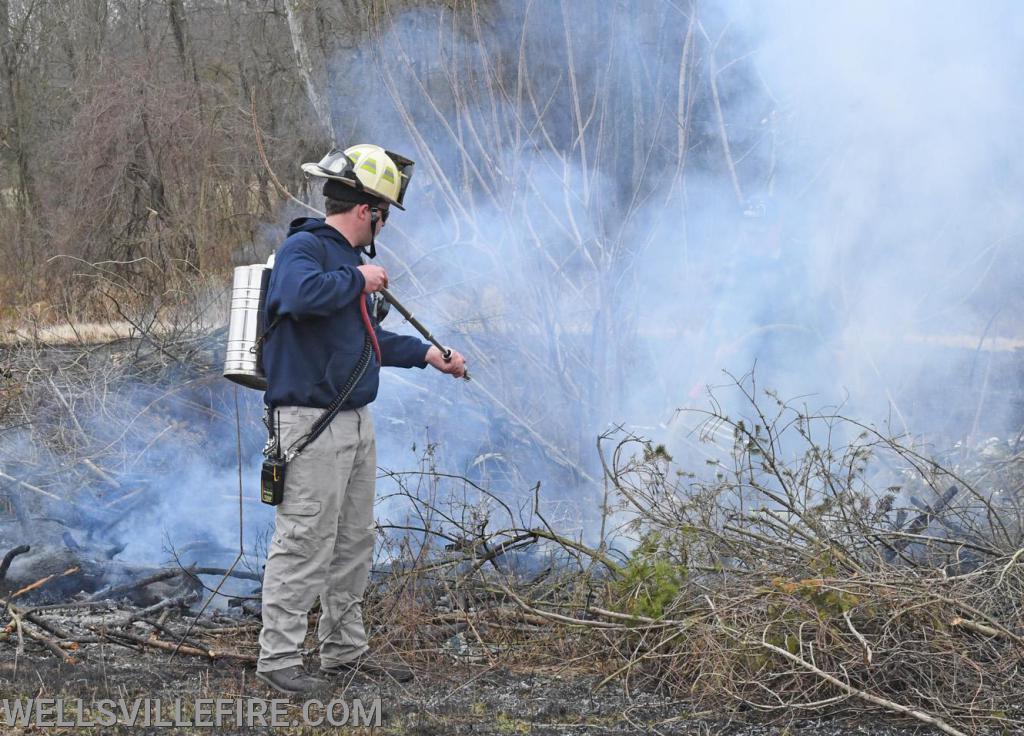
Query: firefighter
[[317, 304]]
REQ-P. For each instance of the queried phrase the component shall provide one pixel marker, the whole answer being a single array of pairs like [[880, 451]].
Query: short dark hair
[[337, 207]]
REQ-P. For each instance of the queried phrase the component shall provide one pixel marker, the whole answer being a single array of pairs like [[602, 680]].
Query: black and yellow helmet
[[366, 168]]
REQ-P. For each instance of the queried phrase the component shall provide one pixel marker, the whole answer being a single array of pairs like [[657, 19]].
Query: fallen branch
[[178, 601], [978, 628], [9, 557], [43, 581], [50, 644], [501, 614], [239, 574], [862, 694], [108, 593], [169, 647], [30, 487], [557, 617], [1013, 561], [868, 654]]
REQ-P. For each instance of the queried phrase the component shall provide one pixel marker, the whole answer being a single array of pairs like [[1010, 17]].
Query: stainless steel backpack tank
[[243, 362]]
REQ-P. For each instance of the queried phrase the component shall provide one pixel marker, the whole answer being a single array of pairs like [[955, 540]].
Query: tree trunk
[[311, 59], [15, 114], [93, 30], [182, 42]]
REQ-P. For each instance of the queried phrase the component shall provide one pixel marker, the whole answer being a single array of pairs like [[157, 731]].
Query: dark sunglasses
[[382, 212]]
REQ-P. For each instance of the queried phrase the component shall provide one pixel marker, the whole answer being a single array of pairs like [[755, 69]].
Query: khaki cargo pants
[[323, 541]]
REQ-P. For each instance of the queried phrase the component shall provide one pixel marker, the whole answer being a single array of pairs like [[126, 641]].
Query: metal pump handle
[[446, 353]]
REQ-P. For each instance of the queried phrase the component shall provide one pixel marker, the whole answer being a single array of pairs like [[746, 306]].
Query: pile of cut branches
[[813, 565]]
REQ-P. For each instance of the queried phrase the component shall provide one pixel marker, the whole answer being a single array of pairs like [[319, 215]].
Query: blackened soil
[[448, 699]]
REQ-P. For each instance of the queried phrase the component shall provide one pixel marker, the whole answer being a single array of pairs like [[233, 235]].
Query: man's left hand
[[455, 365]]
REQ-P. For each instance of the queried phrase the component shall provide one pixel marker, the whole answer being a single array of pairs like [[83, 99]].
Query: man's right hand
[[376, 278]]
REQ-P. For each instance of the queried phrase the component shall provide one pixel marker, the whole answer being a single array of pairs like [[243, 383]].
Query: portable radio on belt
[[272, 480], [272, 475]]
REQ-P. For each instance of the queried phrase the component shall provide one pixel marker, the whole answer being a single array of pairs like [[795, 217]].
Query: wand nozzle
[[446, 353]]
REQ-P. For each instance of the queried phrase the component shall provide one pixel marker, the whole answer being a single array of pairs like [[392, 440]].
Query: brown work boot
[[292, 680], [372, 665]]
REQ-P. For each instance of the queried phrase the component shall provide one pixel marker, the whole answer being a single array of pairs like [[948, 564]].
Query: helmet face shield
[[338, 164]]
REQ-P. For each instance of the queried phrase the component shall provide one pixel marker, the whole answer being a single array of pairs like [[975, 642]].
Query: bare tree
[[303, 23], [11, 30], [182, 40]]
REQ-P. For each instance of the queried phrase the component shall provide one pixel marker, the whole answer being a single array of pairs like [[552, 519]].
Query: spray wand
[[446, 353]]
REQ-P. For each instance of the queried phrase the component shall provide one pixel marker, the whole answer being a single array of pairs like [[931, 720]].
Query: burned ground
[[774, 583], [448, 697]]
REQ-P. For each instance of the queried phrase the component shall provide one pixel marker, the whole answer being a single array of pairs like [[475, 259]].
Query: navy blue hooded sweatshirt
[[309, 355]]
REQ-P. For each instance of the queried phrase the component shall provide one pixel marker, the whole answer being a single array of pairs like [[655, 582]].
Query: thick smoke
[[858, 242], [900, 169], [579, 229]]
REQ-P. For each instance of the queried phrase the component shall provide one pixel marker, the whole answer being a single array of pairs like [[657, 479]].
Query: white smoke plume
[[858, 241], [579, 228]]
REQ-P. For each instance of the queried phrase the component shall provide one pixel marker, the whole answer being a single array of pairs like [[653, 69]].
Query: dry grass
[[87, 333]]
